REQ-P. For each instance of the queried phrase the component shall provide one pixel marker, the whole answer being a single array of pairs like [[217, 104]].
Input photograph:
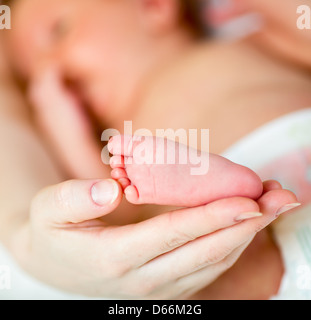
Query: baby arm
[[25, 166]]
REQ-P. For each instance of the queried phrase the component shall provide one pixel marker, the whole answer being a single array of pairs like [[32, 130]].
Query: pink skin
[[154, 182]]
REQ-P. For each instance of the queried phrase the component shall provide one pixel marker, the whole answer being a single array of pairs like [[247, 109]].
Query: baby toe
[[132, 195], [117, 162], [118, 173], [124, 182]]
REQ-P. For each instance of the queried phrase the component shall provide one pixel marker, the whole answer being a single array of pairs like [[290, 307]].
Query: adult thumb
[[75, 201]]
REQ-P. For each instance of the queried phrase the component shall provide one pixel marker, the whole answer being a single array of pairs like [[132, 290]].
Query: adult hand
[[67, 245], [279, 32]]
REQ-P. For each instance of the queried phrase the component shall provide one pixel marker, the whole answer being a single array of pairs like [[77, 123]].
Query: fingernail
[[247, 216], [105, 192], [287, 207]]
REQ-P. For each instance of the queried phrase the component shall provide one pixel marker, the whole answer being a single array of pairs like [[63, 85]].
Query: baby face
[[100, 46]]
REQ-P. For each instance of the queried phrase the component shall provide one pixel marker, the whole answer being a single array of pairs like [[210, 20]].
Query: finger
[[213, 248], [219, 12], [169, 231], [204, 277], [161, 286], [199, 254], [192, 283], [76, 201], [64, 121], [276, 200]]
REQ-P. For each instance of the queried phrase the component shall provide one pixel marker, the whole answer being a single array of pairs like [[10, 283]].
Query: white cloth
[[286, 144], [15, 284], [293, 235]]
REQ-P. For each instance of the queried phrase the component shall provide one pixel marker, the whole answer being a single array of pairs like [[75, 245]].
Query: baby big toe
[[123, 145], [117, 162]]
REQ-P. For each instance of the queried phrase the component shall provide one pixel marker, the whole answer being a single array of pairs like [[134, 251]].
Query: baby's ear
[[159, 15]]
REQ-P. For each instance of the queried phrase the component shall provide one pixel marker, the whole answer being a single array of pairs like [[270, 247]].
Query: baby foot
[[159, 171]]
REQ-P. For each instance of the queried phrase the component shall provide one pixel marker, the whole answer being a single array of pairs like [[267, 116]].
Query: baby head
[[107, 48]]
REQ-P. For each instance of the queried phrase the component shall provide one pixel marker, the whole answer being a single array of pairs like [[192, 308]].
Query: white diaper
[[281, 150], [293, 235]]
